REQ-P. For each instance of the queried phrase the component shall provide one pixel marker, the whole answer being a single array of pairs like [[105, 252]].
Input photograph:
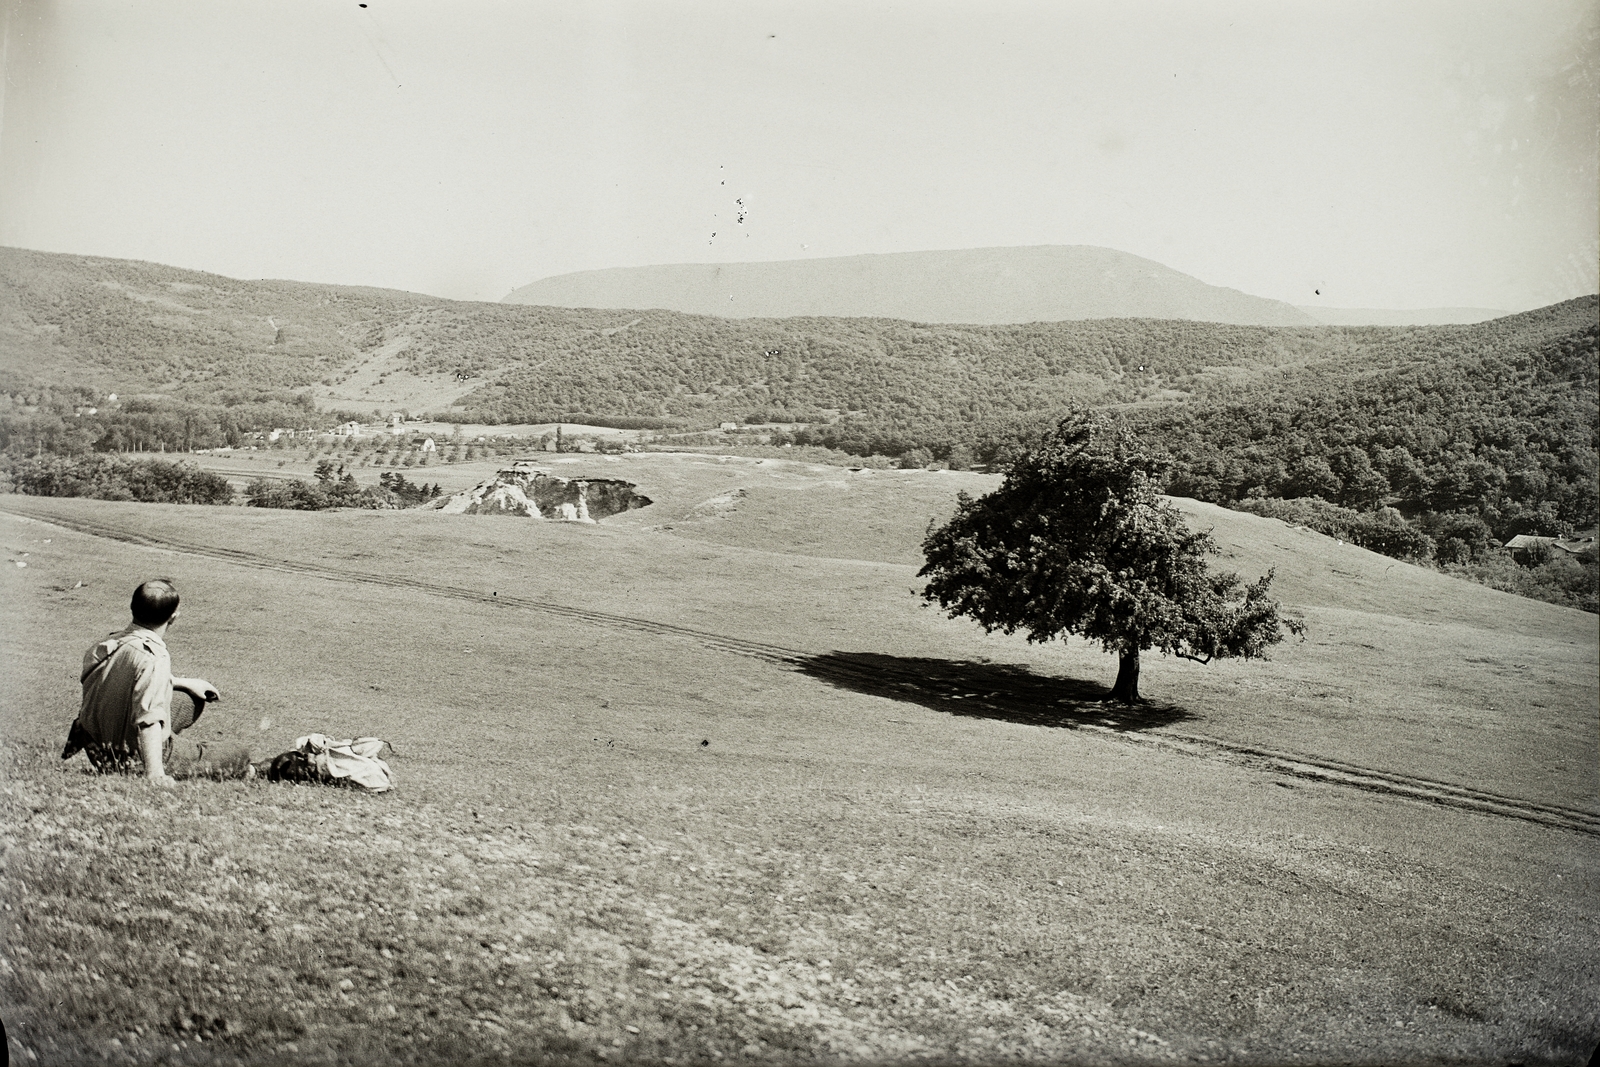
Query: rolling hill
[[91, 326], [1044, 283]]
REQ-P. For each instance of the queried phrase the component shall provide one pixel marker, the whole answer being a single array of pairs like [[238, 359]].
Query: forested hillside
[[101, 325], [112, 325], [1507, 432]]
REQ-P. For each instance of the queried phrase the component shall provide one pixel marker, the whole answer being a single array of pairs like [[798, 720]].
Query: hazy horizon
[[1412, 156], [1329, 308]]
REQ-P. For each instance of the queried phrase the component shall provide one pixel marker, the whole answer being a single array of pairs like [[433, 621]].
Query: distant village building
[[1523, 542], [728, 426], [348, 429], [428, 445], [1523, 545]]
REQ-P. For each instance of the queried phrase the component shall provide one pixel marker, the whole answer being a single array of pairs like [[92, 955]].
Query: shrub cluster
[[1382, 531], [407, 494], [108, 477], [1572, 581], [335, 488]]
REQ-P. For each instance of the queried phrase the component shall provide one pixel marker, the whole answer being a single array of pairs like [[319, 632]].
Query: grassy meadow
[[708, 783]]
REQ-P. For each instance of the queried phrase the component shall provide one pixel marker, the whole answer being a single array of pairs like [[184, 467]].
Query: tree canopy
[[1078, 540]]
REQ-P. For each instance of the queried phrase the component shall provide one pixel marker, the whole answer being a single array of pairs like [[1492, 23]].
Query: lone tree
[[1077, 540]]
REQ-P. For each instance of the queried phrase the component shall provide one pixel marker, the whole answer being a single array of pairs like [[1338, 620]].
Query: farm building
[[1579, 543]]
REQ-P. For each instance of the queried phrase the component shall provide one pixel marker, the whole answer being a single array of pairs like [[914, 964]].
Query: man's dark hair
[[154, 602]]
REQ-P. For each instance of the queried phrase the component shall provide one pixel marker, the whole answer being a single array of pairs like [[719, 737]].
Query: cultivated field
[[707, 783]]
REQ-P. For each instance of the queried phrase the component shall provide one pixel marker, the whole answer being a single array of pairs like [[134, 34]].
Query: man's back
[[127, 681]]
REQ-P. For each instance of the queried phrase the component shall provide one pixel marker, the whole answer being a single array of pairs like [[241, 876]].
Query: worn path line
[[1331, 771]]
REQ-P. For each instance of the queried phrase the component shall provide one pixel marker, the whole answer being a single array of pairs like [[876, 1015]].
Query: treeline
[[1439, 459], [114, 478], [1385, 530], [612, 422], [899, 378], [154, 481], [75, 421], [794, 370], [1477, 443]]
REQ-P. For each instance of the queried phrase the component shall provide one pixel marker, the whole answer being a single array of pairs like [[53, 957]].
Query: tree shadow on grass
[[1002, 691]]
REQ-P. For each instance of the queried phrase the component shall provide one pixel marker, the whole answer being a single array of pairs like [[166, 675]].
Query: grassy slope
[[836, 873]]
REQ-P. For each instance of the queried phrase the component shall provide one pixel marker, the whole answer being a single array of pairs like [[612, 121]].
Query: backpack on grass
[[319, 759]]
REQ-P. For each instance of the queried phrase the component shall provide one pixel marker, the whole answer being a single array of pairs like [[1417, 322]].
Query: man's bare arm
[[151, 743], [198, 686]]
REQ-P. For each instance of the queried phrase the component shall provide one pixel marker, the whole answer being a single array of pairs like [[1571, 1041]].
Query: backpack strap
[[111, 655]]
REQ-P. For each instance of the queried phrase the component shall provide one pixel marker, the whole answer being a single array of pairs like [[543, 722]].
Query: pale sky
[[1395, 154]]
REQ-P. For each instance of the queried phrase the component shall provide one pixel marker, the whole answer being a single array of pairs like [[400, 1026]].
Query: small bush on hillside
[[1461, 538], [1572, 582], [107, 477], [407, 494], [334, 488], [294, 495]]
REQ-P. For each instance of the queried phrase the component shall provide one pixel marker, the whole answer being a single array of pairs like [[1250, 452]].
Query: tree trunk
[[1127, 688]]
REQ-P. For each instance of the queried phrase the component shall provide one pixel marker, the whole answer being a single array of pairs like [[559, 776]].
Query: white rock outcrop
[[533, 492]]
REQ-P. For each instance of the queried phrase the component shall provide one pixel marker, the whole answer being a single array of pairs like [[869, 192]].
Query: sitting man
[[133, 706]]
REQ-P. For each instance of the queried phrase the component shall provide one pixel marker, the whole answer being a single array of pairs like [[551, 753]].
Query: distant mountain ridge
[[1394, 317], [978, 286]]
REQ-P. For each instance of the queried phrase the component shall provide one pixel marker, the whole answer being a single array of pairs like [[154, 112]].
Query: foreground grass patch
[[257, 922], [247, 919]]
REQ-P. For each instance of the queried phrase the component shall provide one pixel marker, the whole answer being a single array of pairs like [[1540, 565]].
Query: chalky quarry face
[[536, 493]]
